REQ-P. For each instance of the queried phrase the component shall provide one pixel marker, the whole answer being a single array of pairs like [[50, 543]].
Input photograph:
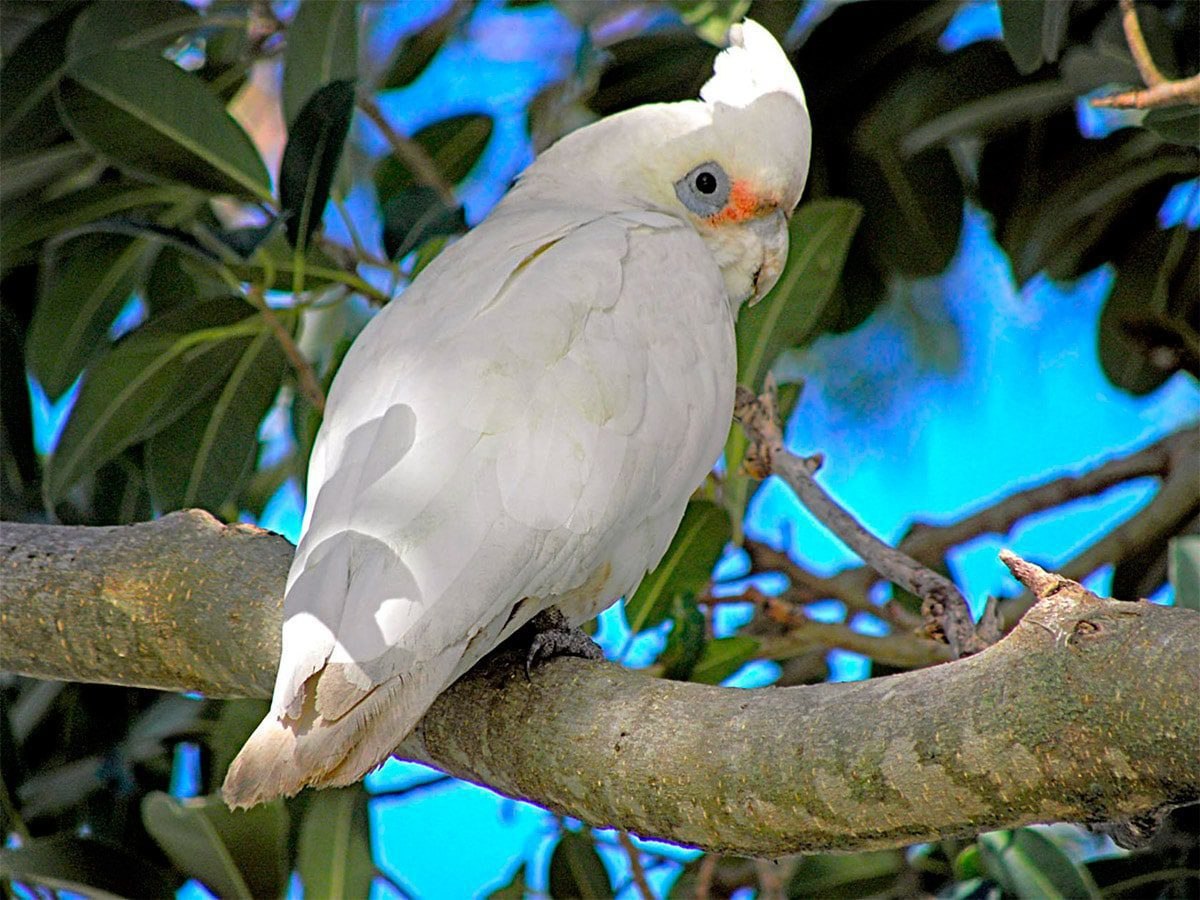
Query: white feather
[[752, 66], [521, 428]]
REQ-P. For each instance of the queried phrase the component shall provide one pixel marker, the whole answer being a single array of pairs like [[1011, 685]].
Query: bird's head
[[733, 163]]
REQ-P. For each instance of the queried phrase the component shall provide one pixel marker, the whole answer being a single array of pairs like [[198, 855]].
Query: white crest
[[752, 65]]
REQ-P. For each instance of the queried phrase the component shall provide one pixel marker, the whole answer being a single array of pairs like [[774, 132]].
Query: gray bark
[[1088, 711]]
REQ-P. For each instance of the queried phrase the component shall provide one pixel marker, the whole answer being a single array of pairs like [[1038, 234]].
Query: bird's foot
[[554, 636]]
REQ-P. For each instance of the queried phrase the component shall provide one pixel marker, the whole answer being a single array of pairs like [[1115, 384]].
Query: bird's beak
[[772, 230]]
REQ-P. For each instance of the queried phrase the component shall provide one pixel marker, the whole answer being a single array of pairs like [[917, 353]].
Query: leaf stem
[[412, 153], [636, 870], [306, 378]]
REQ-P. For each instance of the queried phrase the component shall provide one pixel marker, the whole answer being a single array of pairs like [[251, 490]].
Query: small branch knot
[[759, 417], [1034, 577]]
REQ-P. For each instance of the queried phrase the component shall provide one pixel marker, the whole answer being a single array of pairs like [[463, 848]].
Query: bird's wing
[[524, 424]]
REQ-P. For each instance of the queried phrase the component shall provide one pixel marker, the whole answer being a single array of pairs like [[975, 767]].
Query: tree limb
[[1088, 710]]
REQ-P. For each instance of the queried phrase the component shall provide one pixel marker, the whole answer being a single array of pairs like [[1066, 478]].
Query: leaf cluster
[[98, 814], [144, 241]]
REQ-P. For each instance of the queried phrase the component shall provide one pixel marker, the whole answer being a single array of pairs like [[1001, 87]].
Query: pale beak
[[772, 231]]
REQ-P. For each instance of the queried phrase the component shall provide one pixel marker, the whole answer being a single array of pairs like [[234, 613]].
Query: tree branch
[[943, 606], [1175, 459], [1088, 710], [1160, 91], [306, 378], [410, 153]]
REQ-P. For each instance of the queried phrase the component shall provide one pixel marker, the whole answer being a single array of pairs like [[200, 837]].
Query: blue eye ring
[[704, 190]]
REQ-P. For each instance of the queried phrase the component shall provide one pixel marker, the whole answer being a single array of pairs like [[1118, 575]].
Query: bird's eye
[[704, 190]]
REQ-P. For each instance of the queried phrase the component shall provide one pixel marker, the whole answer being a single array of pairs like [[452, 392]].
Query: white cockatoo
[[522, 428]]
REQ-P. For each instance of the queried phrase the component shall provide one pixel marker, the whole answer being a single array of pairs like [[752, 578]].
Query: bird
[[518, 432]]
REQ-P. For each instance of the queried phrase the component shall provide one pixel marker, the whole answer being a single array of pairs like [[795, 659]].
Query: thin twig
[[409, 789], [929, 543], [704, 876], [1172, 93], [1146, 67], [412, 153], [636, 870], [1160, 91], [944, 608], [850, 586], [1175, 502], [899, 649], [770, 882], [394, 883], [306, 378]]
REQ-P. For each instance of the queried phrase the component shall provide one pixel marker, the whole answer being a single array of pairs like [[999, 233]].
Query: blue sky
[[911, 428]]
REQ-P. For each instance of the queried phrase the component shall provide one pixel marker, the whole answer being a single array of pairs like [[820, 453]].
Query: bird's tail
[[332, 742]]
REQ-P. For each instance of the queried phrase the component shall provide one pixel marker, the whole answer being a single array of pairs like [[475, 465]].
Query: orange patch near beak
[[743, 204]]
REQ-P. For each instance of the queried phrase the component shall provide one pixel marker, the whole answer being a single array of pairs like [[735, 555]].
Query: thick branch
[[1089, 710]]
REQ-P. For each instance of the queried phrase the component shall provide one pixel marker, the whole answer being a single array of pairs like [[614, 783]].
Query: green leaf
[[1064, 224], [711, 18], [206, 456], [1003, 109], [84, 285], [454, 145], [685, 644], [147, 24], [833, 876], [686, 567], [576, 870], [660, 66], [148, 381], [147, 114], [29, 171], [514, 889], [311, 157], [417, 215], [1027, 863], [236, 720], [1055, 15], [427, 253], [1034, 31], [28, 119], [1183, 570], [176, 279], [85, 866], [334, 857], [27, 225], [235, 854], [820, 233], [275, 257], [967, 864], [1021, 22], [722, 657], [246, 241], [322, 46], [1152, 287], [1177, 124], [417, 51]]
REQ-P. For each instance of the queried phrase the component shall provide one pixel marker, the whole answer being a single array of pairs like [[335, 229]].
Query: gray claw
[[555, 636]]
